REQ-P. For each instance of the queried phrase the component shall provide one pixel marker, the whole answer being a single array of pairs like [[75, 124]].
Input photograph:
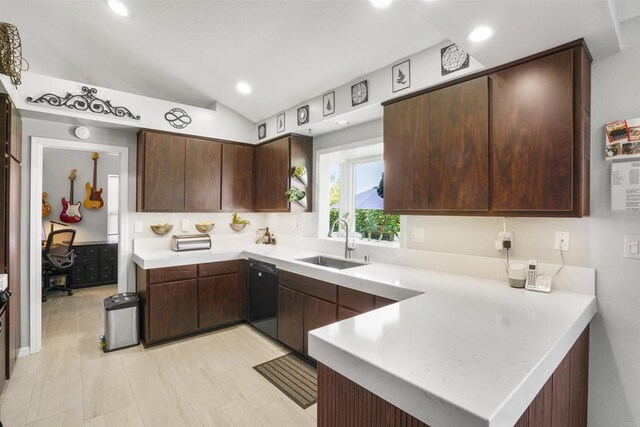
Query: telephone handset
[[537, 282]]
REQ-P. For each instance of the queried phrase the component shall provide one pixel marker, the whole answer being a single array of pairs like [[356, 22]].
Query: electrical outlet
[[562, 241], [504, 236], [632, 246], [137, 227], [185, 225], [417, 234]]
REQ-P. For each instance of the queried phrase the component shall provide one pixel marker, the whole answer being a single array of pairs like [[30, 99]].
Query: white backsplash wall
[[57, 165]]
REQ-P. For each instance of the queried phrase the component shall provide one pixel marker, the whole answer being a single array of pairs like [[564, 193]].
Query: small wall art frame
[[262, 131], [280, 123], [328, 104], [359, 93], [453, 58], [303, 115], [401, 76]]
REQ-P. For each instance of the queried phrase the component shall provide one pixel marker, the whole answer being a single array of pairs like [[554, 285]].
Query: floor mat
[[293, 376]]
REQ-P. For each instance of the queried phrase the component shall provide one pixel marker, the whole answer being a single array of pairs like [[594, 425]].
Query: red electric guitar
[[71, 211]]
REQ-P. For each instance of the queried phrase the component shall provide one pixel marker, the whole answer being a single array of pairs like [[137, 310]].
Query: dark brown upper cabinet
[[203, 169], [508, 141], [180, 174], [532, 134], [237, 178], [273, 169], [406, 155], [459, 147], [161, 172]]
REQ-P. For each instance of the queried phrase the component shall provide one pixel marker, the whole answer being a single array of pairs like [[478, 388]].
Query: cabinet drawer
[[108, 257], [91, 269], [77, 270], [171, 274], [85, 260], [105, 268], [90, 278], [107, 276], [79, 250], [217, 268], [90, 250], [309, 286], [358, 301], [108, 249], [76, 279]]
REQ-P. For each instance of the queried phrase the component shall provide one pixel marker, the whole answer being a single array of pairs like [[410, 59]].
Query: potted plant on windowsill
[[300, 174], [297, 196]]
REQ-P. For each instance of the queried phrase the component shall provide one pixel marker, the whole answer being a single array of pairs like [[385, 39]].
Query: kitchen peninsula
[[455, 350]]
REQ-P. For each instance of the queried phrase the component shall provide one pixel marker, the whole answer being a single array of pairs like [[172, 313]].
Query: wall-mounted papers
[[622, 139], [625, 186]]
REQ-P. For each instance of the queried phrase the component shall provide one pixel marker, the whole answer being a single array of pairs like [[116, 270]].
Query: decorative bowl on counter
[[162, 229], [204, 228], [237, 227]]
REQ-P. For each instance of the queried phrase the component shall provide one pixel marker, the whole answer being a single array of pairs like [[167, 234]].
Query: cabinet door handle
[[259, 274]]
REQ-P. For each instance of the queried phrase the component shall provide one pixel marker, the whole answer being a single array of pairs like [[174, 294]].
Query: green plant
[[235, 219], [299, 171], [295, 194]]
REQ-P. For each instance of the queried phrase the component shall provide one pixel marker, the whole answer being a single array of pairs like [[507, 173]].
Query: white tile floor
[[203, 381]]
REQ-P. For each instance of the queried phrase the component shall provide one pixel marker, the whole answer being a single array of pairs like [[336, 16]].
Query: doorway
[[39, 148]]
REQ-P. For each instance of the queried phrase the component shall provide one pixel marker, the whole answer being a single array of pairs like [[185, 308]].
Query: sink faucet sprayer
[[347, 248]]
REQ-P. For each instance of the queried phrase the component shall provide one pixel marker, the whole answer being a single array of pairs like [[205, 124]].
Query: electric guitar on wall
[[94, 197], [71, 211], [46, 207]]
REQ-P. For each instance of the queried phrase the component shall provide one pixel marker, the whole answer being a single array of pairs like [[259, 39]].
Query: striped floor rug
[[293, 376]]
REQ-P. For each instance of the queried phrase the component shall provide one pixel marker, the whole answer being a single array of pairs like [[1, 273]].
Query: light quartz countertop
[[455, 351]]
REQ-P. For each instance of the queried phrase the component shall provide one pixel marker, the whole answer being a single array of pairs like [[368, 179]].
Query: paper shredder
[[121, 321]]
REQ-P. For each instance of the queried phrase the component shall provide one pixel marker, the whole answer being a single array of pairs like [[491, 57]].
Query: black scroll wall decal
[[86, 101]]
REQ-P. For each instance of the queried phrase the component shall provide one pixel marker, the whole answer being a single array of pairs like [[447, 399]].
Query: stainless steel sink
[[338, 264]]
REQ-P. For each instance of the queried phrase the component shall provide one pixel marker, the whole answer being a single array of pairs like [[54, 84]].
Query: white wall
[[614, 388], [57, 165]]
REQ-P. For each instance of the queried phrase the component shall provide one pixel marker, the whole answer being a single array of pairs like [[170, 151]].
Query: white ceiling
[[194, 52]]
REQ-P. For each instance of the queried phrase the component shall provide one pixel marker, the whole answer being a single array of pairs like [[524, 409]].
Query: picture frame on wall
[[328, 104], [359, 93], [262, 131], [453, 58], [280, 123], [401, 76], [303, 115]]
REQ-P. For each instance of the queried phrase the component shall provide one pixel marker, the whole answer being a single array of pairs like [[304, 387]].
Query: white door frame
[[35, 224]]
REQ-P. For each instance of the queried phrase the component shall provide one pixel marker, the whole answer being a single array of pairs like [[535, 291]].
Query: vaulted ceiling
[[194, 52]]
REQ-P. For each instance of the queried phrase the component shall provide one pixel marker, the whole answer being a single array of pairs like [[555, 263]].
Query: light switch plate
[[137, 226], [562, 241], [417, 234], [185, 225], [632, 246]]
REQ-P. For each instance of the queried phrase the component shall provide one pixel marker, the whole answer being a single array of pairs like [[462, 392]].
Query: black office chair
[[57, 258]]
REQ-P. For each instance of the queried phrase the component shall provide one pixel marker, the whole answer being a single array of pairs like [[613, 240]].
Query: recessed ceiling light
[[243, 88], [342, 122], [118, 7], [480, 34], [381, 4]]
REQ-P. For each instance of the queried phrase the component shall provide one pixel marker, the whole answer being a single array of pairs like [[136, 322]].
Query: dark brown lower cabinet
[[317, 313], [173, 309], [562, 401], [221, 300], [4, 373], [291, 318], [345, 313]]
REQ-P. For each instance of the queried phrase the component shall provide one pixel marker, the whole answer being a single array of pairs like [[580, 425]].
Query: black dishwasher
[[263, 297]]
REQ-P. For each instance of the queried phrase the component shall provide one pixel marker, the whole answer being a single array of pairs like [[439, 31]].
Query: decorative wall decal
[[328, 104], [453, 58], [303, 115], [359, 93], [178, 118], [280, 123], [83, 102], [401, 76], [262, 131]]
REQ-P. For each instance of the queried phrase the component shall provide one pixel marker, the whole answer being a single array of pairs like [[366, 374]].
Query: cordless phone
[[537, 282]]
